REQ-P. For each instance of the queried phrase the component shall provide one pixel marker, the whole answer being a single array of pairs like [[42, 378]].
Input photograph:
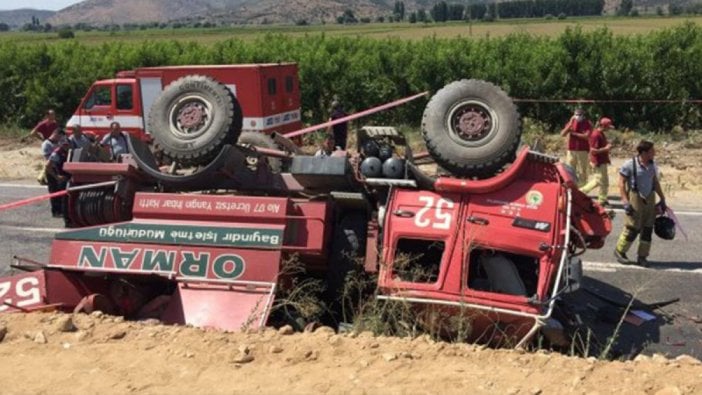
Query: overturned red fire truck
[[200, 237]]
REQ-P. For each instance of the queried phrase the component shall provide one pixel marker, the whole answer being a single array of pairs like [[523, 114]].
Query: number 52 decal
[[23, 292], [438, 219]]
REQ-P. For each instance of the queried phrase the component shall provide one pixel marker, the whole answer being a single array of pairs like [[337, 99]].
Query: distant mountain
[[17, 18], [237, 11], [260, 11]]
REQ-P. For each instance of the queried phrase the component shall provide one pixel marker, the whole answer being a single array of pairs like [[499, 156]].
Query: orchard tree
[[625, 7], [440, 12], [399, 11]]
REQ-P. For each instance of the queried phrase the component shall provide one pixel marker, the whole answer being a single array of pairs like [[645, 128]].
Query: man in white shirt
[[78, 139], [116, 140], [328, 147]]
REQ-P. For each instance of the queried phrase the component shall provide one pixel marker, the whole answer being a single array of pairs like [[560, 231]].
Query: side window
[[289, 84], [502, 272], [102, 96], [272, 86], [124, 97], [418, 261]]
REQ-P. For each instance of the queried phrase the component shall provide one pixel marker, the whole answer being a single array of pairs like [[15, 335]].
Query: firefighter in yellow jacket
[[638, 186]]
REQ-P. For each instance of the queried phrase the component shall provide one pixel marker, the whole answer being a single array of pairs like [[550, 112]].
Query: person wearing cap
[[56, 177], [599, 160], [339, 130], [578, 131], [638, 186]]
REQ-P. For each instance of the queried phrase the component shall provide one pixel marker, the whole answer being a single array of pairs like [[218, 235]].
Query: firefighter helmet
[[664, 227]]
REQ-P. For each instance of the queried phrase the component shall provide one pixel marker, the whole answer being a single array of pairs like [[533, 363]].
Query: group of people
[[589, 149], [55, 148]]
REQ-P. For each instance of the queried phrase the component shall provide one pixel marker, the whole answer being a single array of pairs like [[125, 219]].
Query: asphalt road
[[676, 272]]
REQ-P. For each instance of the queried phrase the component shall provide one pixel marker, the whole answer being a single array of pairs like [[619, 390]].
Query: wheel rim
[[471, 123], [190, 117]]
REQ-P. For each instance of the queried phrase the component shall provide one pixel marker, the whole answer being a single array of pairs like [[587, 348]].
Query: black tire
[[192, 118], [471, 128], [257, 139], [348, 248]]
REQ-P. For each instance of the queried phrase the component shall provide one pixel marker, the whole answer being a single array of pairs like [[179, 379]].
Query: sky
[[53, 5]]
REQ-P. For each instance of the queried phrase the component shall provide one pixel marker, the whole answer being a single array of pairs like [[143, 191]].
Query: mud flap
[[233, 307]]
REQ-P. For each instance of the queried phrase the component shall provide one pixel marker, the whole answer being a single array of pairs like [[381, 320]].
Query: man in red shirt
[[578, 131], [599, 159], [45, 127]]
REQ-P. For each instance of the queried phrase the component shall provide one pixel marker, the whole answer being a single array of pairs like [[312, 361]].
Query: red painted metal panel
[[525, 200], [451, 184], [307, 226], [220, 307]]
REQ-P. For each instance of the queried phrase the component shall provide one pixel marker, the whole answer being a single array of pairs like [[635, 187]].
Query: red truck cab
[[269, 96]]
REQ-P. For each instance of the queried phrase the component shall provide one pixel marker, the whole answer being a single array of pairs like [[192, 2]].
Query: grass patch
[[8, 131]]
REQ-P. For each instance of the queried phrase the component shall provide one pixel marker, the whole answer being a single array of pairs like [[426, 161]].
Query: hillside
[[257, 11], [137, 11], [17, 18]]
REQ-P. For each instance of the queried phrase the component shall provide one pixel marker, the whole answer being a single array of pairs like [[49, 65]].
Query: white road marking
[[611, 267], [678, 213], [31, 229], [27, 186]]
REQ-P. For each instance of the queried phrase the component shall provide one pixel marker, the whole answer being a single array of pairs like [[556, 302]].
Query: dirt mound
[[55, 353], [20, 161]]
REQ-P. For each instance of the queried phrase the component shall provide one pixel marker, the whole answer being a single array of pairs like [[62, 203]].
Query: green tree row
[[368, 72]]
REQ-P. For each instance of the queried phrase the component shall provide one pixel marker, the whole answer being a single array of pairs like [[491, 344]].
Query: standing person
[[340, 130], [578, 131], [638, 185], [51, 142], [56, 177], [599, 160], [116, 140], [45, 127], [78, 139]]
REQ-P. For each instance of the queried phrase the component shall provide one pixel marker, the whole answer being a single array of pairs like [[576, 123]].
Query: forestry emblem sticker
[[534, 198]]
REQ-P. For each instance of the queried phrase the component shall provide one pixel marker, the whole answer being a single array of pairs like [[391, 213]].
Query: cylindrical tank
[[394, 168], [371, 167]]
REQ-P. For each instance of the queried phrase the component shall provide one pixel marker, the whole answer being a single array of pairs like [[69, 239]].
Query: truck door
[[97, 110], [290, 101], [128, 109], [272, 103], [420, 244]]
